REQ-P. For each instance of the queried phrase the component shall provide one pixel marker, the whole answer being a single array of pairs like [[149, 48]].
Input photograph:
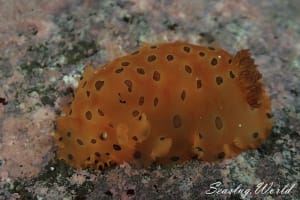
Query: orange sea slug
[[167, 102]]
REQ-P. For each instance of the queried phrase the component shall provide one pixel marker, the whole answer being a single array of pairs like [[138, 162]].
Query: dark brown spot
[[70, 157], [199, 84], [141, 100], [69, 134], [153, 46], [107, 153], [177, 122], [135, 113], [188, 69], [128, 83], [135, 53], [103, 136], [117, 71], [151, 58], [135, 138], [156, 76], [70, 112], [88, 158], [117, 147], [105, 164], [269, 115], [140, 71], [229, 61], [170, 57], [221, 155], [81, 77], [155, 101], [125, 63], [93, 141], [84, 84], [211, 48], [60, 139], [88, 93], [137, 155], [121, 100], [218, 123], [96, 161], [214, 62], [187, 49], [174, 158], [231, 74], [200, 135], [201, 54], [88, 115], [219, 80], [100, 112], [99, 85], [183, 94], [140, 117], [97, 154], [79, 142], [255, 135], [162, 138]]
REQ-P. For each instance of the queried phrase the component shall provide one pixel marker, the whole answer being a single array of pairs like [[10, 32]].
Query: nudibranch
[[165, 103]]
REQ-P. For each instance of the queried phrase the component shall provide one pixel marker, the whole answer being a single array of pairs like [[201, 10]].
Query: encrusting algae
[[166, 103]]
